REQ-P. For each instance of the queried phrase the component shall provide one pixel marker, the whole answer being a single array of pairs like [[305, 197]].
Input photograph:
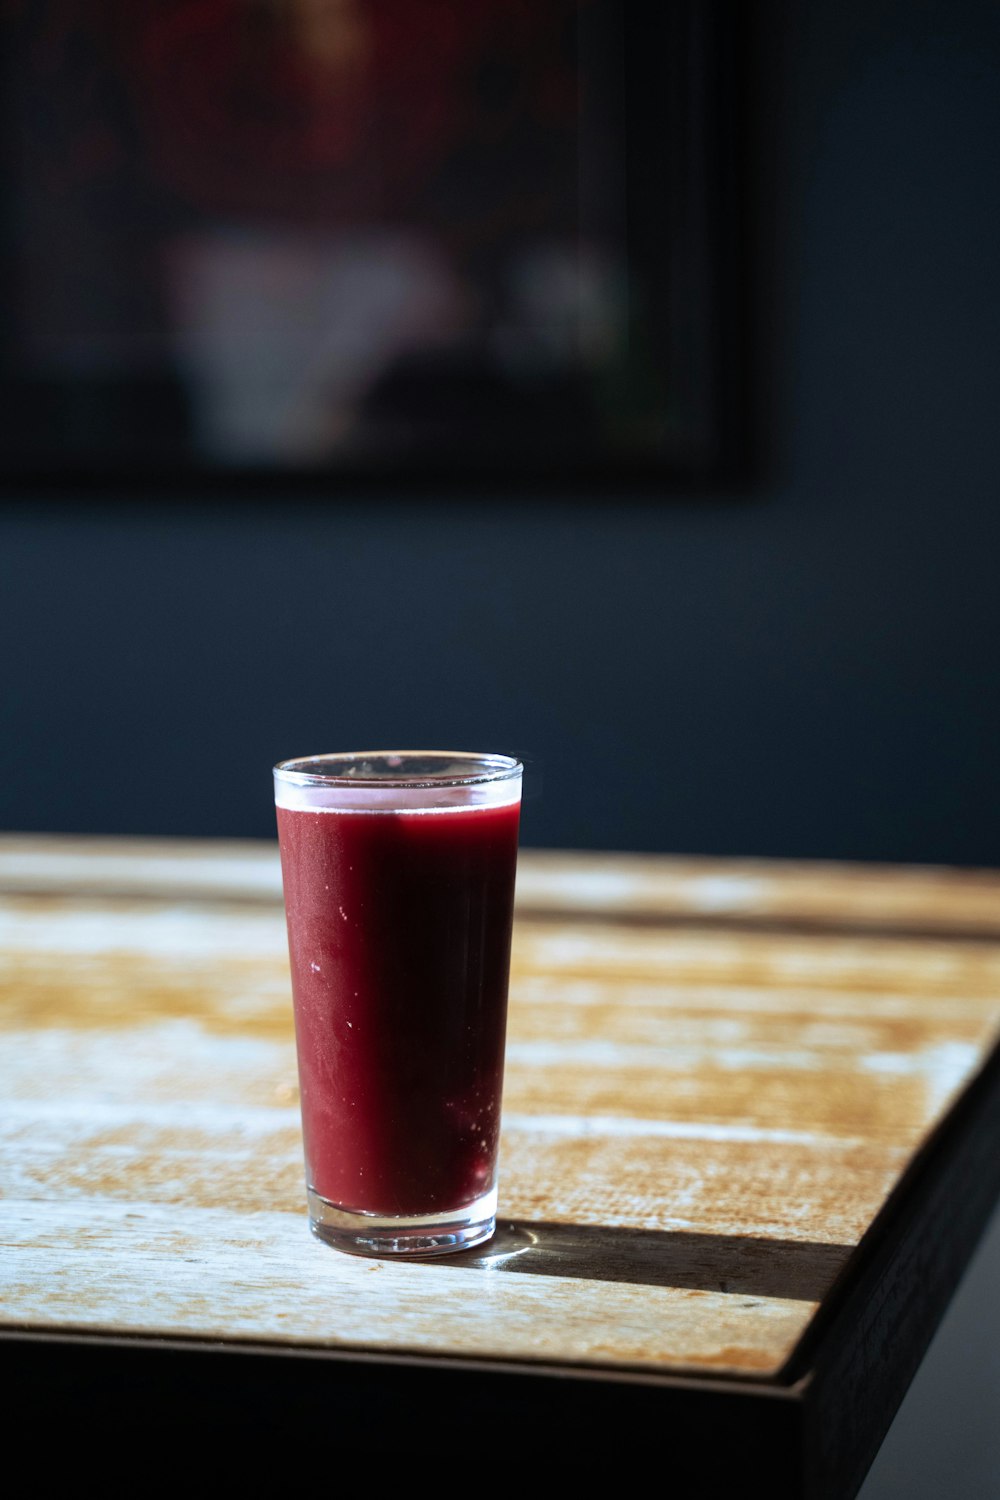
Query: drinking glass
[[398, 871]]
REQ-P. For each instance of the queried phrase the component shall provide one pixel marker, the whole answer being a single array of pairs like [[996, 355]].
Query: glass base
[[410, 1236]]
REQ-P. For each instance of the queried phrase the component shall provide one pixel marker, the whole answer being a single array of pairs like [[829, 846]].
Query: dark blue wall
[[807, 666]]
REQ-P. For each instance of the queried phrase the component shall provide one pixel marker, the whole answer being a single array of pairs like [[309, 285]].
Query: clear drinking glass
[[398, 871]]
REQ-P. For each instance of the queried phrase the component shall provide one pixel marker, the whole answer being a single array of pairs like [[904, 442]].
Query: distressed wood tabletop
[[719, 1073]]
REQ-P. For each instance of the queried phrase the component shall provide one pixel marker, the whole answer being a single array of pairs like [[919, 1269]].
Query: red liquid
[[399, 929]]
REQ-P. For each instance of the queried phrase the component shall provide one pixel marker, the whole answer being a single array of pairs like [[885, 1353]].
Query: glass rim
[[491, 768]]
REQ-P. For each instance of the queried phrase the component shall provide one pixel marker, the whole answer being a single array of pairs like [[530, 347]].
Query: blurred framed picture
[[398, 239]]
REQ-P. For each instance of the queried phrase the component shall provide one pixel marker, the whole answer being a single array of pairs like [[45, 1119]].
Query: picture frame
[[341, 242]]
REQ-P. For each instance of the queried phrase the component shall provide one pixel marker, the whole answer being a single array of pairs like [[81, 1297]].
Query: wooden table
[[749, 1144]]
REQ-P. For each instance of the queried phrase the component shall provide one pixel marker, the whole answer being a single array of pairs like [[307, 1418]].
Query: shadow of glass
[[802, 1271]]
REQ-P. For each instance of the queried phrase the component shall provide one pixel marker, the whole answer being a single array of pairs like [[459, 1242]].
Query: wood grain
[[717, 1074]]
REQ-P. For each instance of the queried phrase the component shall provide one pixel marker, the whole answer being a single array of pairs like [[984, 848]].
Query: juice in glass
[[398, 872]]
